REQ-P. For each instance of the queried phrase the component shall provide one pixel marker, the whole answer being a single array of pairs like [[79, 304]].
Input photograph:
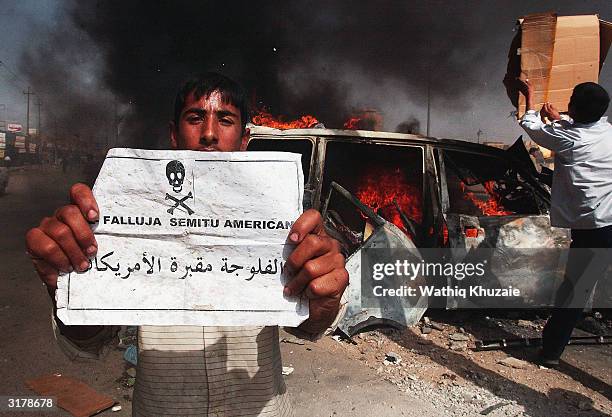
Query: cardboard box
[[556, 53]]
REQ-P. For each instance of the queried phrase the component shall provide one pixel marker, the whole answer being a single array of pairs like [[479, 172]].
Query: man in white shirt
[[581, 194], [192, 371]]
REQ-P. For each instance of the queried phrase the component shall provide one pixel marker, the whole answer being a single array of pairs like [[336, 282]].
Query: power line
[[13, 81], [38, 104], [28, 94]]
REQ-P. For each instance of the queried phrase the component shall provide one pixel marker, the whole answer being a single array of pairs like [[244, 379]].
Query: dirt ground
[[466, 382], [383, 373]]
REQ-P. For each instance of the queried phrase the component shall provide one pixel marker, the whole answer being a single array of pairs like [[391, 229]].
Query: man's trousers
[[584, 268]]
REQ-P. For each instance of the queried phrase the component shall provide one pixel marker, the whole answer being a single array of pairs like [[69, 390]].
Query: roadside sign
[[20, 142], [14, 127]]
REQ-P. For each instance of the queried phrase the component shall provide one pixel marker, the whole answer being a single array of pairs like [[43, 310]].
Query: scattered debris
[[392, 358], [130, 381], [131, 355], [294, 340], [288, 370], [463, 389], [494, 407], [592, 325], [465, 381], [425, 329], [337, 338], [436, 326], [585, 405], [459, 337], [131, 372], [116, 408], [457, 345], [515, 363], [448, 375], [74, 396], [128, 335], [526, 323]]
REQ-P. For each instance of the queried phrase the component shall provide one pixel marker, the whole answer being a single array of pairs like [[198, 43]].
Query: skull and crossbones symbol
[[175, 172]]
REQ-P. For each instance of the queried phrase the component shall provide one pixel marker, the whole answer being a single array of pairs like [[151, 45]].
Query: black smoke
[[410, 125], [304, 57]]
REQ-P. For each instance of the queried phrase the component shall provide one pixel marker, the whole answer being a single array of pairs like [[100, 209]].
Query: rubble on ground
[[440, 364]]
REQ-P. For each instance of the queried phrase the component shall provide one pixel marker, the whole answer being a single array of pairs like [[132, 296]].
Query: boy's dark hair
[[206, 83], [589, 101]]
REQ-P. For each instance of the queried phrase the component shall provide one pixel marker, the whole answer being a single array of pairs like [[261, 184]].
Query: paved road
[[27, 346]]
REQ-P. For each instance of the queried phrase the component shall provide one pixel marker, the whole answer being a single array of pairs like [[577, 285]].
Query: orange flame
[[444, 234], [263, 118], [352, 123], [490, 207], [379, 188]]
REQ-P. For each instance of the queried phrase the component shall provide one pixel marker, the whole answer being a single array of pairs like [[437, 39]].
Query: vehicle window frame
[[310, 183], [290, 138], [444, 182], [368, 141]]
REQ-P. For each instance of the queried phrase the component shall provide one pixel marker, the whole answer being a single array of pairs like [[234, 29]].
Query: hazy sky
[[22, 22], [83, 65]]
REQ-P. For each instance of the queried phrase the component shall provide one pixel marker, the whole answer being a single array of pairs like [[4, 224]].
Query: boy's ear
[[245, 139], [173, 133]]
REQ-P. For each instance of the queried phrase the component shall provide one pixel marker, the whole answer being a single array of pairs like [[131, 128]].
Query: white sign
[[20, 142], [2, 140], [14, 127], [190, 238]]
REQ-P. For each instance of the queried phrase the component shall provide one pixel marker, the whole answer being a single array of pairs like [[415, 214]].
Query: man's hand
[[527, 89], [549, 111], [64, 241], [316, 268]]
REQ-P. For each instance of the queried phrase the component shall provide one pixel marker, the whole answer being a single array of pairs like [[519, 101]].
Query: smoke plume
[[111, 61], [410, 125]]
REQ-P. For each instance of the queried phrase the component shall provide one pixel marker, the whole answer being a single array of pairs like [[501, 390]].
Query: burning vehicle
[[405, 191]]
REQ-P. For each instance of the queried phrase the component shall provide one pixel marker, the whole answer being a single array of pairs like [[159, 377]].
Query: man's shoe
[[547, 361]]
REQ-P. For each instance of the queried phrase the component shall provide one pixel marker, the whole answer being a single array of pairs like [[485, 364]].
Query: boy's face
[[208, 124]]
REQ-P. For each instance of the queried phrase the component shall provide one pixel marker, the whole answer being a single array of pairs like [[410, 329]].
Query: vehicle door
[[375, 204], [492, 203]]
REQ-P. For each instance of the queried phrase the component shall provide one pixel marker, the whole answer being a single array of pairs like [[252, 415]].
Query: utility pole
[[28, 94], [38, 104]]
